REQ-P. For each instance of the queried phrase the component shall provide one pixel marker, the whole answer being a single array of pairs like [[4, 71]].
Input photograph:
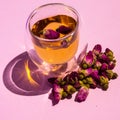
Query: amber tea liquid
[[55, 51]]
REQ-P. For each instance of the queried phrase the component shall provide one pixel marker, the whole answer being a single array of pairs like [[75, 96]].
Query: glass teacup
[[52, 36]]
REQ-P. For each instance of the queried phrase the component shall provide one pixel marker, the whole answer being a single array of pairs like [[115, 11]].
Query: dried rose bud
[[85, 72], [64, 95], [57, 88], [64, 29], [95, 74], [57, 92], [73, 77], [51, 34], [71, 81], [109, 74], [52, 80], [104, 67], [112, 65], [80, 74], [63, 83], [97, 49], [81, 83], [66, 78], [91, 82], [82, 94], [84, 65], [77, 85], [103, 80], [69, 89], [97, 65], [110, 58], [88, 60], [84, 81], [64, 43], [58, 81], [103, 58], [87, 85], [115, 75], [108, 52], [105, 86], [103, 83], [57, 97]]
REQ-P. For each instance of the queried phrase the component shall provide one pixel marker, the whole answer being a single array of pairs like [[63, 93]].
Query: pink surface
[[100, 24]]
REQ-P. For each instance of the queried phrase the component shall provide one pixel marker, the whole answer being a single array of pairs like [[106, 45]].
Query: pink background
[[100, 24]]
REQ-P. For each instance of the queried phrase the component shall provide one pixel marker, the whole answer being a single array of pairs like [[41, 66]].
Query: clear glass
[[53, 55]]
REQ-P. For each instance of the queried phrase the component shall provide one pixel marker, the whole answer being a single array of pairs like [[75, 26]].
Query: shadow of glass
[[22, 76]]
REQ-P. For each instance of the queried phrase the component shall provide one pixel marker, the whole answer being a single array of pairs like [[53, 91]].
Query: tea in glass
[[60, 50]]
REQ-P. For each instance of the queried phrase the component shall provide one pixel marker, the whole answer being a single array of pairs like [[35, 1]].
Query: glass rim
[[58, 39]]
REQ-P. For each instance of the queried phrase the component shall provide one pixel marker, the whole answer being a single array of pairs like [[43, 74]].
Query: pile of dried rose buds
[[95, 71]]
